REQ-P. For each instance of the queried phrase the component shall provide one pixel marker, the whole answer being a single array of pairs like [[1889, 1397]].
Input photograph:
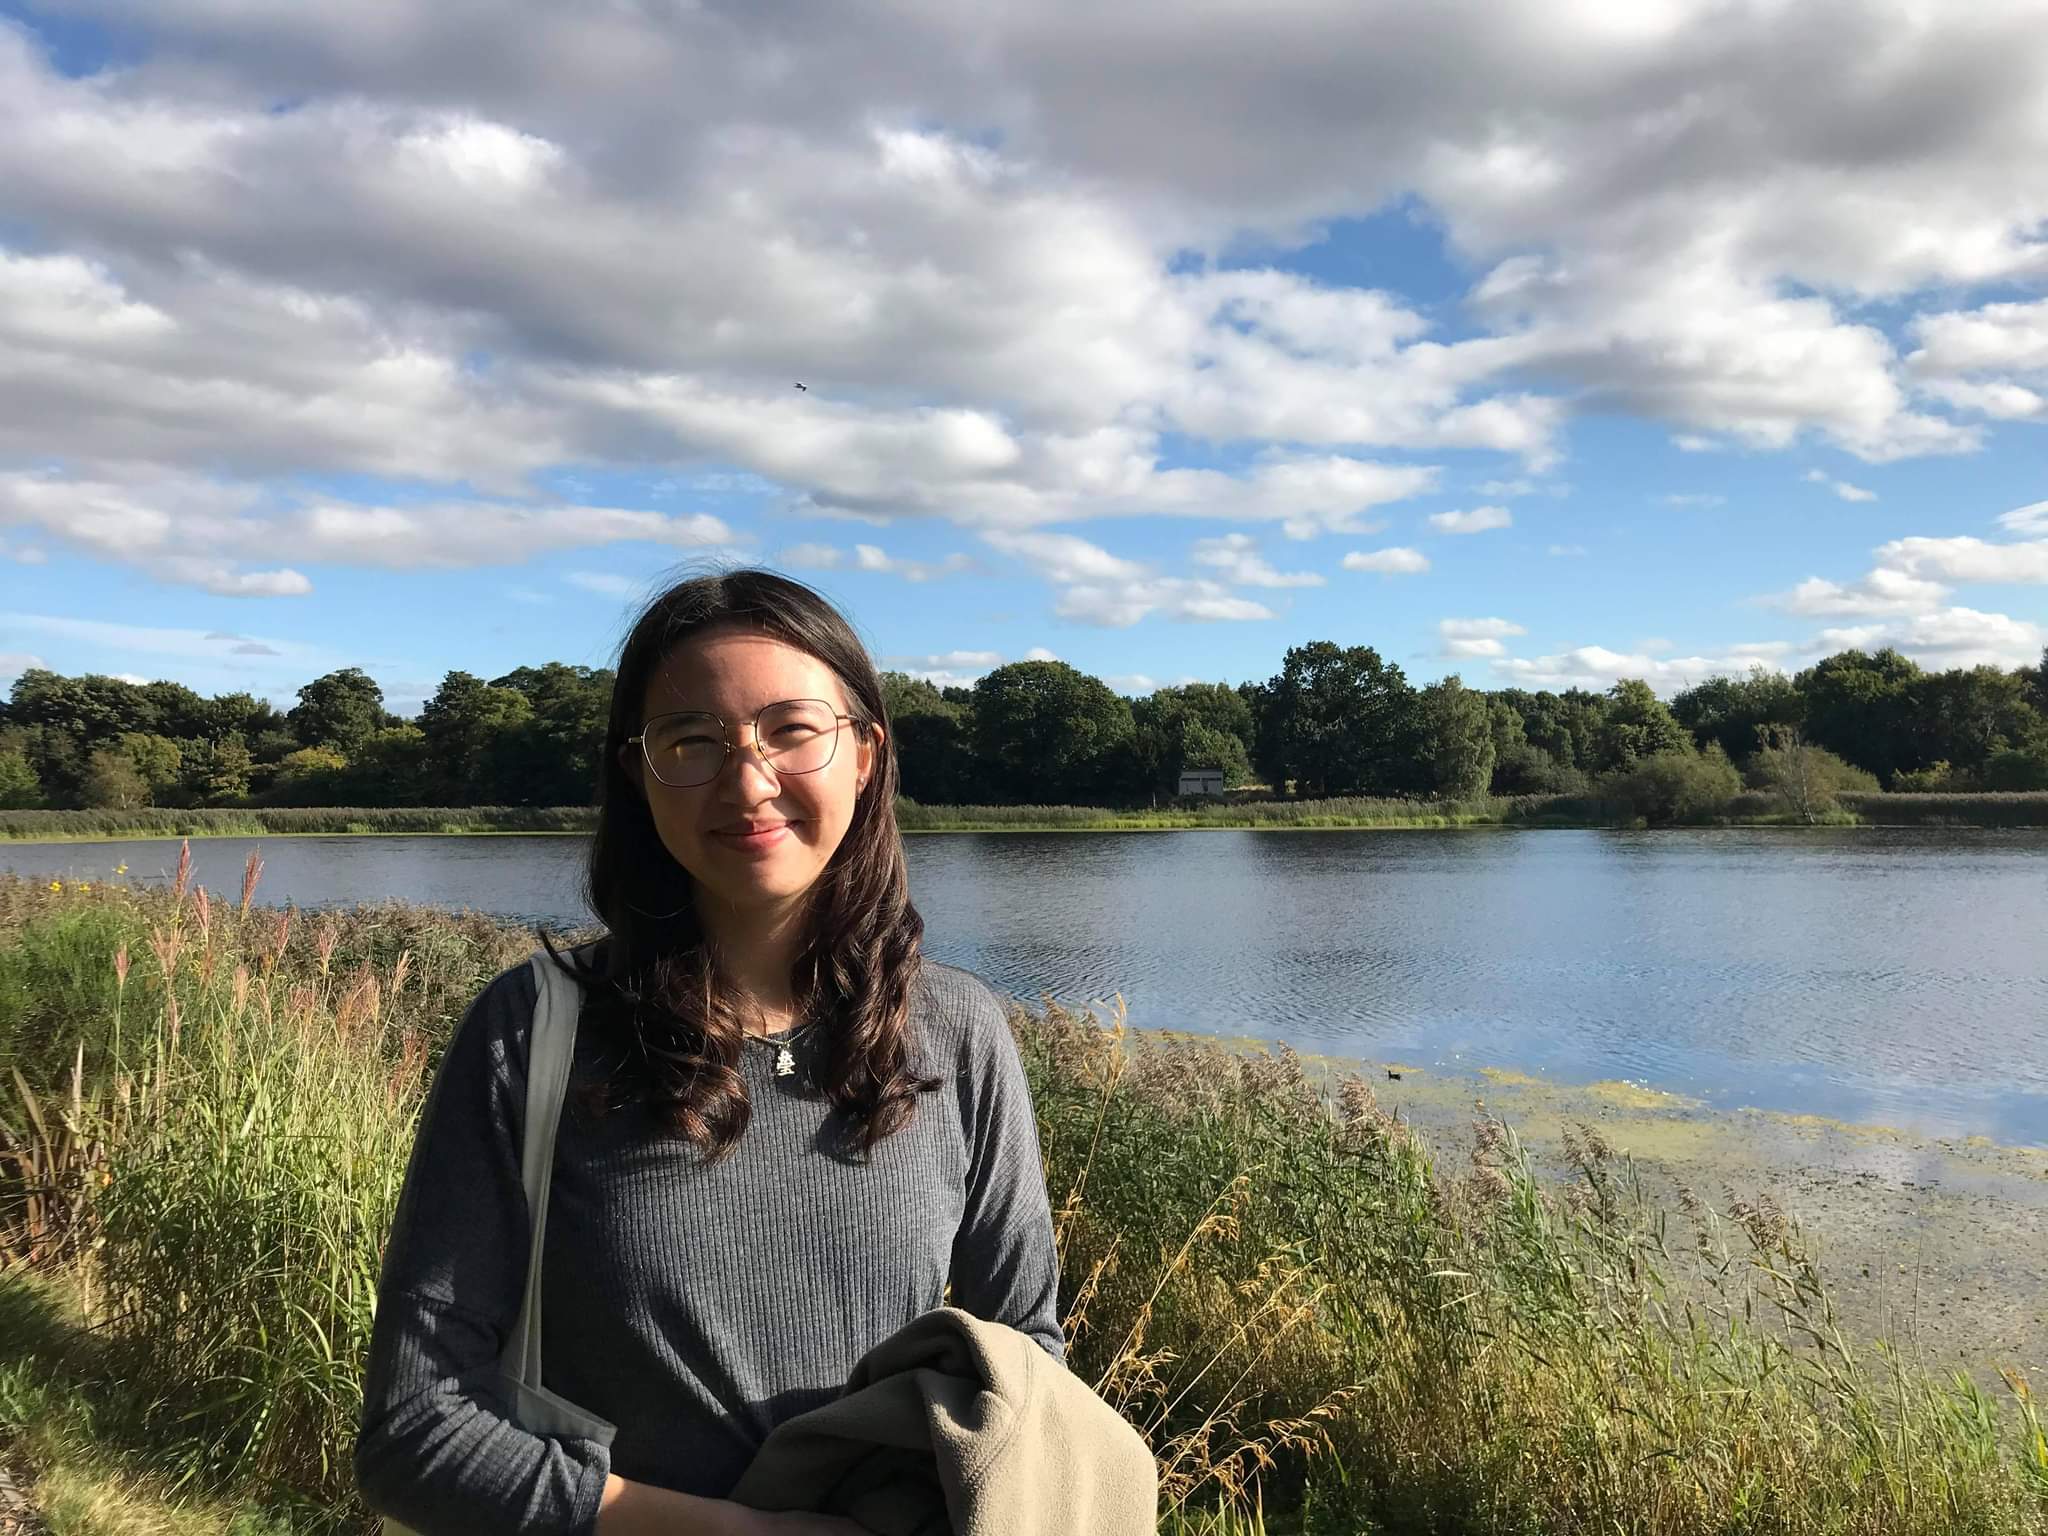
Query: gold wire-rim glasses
[[754, 726]]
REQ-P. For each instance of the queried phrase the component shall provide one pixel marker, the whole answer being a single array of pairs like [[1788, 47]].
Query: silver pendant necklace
[[785, 1058]]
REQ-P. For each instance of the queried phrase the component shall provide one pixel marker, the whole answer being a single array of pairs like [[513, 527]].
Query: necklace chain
[[785, 1058]]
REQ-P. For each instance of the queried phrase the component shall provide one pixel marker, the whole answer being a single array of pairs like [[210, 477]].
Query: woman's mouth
[[754, 837]]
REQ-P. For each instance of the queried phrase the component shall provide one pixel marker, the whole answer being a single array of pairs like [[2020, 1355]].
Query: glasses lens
[[685, 749], [799, 735]]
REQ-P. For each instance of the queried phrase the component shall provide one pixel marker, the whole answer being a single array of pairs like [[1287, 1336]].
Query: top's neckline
[[781, 1038]]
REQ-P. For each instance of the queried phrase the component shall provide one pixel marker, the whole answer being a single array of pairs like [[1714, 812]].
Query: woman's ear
[[870, 746]]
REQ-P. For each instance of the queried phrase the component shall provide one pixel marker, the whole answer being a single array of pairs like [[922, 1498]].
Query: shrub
[[1805, 780], [2017, 770], [1937, 778], [1675, 786]]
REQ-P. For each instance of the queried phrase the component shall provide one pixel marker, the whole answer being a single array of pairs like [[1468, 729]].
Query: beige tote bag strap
[[557, 1002], [551, 1047]]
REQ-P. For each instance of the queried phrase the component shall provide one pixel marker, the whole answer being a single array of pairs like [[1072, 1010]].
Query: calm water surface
[[1897, 976]]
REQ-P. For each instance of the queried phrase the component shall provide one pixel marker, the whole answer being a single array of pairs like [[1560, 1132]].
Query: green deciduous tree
[[53, 755], [1197, 725], [1457, 738], [1733, 710], [19, 788], [1520, 767], [1339, 720], [2018, 769], [392, 767], [309, 776], [551, 757], [1856, 708], [1637, 725], [1967, 715], [338, 710], [173, 710], [2036, 679], [92, 710], [1564, 726], [1044, 732], [934, 763], [215, 772], [112, 783], [156, 759], [241, 714], [460, 726]]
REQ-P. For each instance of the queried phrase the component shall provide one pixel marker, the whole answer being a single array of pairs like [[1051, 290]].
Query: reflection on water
[[1898, 976]]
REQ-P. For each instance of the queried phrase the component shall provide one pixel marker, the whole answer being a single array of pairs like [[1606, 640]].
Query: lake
[[1894, 976]]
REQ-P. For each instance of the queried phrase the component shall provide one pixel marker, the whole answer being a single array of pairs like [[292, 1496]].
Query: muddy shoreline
[[1938, 1244]]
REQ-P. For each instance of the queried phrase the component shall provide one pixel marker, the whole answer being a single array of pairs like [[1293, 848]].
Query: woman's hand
[[798, 1523], [640, 1509]]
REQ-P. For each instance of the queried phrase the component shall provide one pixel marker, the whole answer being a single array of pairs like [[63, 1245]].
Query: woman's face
[[751, 839]]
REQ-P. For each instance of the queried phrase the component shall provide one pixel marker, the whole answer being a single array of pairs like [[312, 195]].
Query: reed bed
[[2019, 808], [1750, 808], [1347, 811], [74, 826], [1319, 1327]]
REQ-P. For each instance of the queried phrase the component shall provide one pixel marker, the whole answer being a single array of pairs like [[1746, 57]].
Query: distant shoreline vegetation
[[1749, 808]]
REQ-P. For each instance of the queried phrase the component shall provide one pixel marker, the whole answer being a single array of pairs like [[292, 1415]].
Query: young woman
[[786, 1134]]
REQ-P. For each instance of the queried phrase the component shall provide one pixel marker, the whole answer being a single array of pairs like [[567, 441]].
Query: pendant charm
[[785, 1063]]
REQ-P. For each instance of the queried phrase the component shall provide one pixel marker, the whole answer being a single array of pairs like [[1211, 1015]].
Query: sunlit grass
[[1318, 1327]]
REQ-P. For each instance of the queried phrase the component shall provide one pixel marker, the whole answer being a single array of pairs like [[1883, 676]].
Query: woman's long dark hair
[[655, 988]]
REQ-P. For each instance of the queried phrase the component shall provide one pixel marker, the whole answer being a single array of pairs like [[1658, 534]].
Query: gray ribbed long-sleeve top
[[696, 1307]]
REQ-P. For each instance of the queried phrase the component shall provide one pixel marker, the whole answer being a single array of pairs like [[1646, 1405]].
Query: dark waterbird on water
[[1393, 1076]]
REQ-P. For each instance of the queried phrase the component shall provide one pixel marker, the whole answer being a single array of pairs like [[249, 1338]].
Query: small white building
[[1201, 781]]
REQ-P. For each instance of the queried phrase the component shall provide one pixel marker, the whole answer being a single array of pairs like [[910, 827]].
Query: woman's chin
[[755, 881]]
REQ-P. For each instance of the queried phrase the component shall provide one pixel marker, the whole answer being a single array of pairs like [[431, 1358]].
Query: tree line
[[1335, 720]]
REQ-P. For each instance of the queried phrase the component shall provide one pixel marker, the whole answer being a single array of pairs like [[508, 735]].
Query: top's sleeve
[[438, 1449], [1005, 1267]]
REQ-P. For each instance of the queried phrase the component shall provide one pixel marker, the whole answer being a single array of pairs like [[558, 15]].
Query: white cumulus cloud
[[1475, 520], [1460, 638], [1841, 488], [1398, 560], [1236, 557]]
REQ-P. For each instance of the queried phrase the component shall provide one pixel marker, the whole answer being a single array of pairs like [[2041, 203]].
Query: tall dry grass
[[1364, 1340], [1318, 1327]]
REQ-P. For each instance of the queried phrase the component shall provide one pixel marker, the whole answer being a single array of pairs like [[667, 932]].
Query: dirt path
[[18, 1515]]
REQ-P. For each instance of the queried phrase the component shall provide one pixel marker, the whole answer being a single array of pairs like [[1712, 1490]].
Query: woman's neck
[[757, 950]]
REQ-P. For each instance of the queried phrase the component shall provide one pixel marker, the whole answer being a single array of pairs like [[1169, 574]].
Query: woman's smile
[[755, 836]]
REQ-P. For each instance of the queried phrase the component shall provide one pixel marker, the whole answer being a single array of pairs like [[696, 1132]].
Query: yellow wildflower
[[57, 885]]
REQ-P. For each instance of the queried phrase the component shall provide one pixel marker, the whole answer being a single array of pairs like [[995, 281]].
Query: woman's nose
[[751, 772]]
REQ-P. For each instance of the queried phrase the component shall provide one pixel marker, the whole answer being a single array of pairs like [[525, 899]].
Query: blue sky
[[1547, 344]]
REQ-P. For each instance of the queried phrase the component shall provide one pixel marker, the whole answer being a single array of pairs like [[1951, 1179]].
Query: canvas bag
[[534, 1408]]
